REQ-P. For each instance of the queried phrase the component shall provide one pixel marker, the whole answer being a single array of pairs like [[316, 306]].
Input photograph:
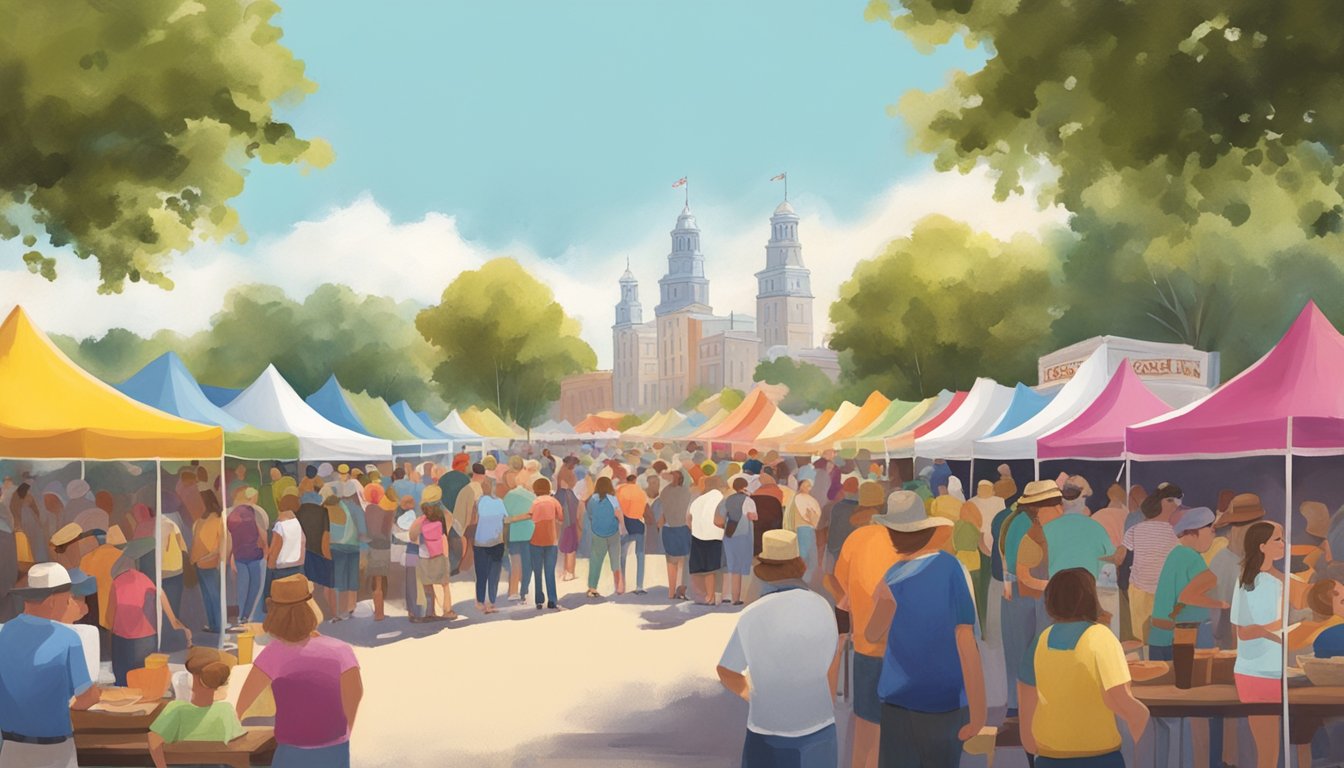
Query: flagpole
[[687, 191], [786, 187]]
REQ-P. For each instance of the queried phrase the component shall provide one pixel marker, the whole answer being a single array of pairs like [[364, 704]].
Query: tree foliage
[[502, 339], [369, 342], [809, 386], [126, 126], [944, 305]]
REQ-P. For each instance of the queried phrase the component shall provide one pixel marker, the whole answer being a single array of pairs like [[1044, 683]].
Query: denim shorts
[[867, 704], [819, 749]]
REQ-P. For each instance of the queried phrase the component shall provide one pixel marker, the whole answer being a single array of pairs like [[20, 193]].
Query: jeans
[[334, 756], [1023, 618], [1110, 760], [414, 594], [250, 575], [209, 581], [523, 549], [488, 561], [638, 539], [601, 547], [911, 739], [818, 749], [172, 589], [543, 564]]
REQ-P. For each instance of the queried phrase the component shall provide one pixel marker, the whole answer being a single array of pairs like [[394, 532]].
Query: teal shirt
[[1077, 541], [1181, 568], [1012, 541], [519, 502]]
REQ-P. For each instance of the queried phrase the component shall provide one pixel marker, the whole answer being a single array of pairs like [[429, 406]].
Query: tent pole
[[81, 469], [224, 553], [1287, 581], [158, 551]]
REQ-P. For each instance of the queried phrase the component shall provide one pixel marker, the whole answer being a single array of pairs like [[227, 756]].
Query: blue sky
[[563, 124]]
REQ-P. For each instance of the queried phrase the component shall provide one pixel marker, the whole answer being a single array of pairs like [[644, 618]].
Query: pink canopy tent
[[1099, 431]]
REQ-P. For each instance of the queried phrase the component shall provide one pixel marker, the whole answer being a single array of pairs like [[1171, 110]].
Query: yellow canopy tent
[[485, 422]]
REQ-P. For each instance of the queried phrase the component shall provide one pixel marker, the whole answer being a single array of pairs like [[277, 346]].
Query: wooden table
[[1221, 701], [112, 739]]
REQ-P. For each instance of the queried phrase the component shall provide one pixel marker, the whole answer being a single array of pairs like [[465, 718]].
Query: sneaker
[[641, 592]]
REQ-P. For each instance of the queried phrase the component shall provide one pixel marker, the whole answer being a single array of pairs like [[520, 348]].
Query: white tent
[[954, 439], [270, 403], [1073, 399], [454, 427]]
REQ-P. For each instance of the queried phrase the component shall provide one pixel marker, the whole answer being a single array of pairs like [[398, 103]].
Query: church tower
[[685, 282], [784, 287], [627, 350], [629, 311]]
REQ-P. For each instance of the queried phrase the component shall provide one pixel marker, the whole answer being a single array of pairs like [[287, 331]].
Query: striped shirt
[[1150, 541]]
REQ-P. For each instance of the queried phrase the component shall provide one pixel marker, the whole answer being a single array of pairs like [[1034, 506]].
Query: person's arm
[[326, 544], [749, 509], [1024, 576], [1197, 592], [1121, 552], [156, 750], [833, 674], [352, 692], [973, 676], [172, 617], [1120, 699], [1261, 631], [256, 682], [273, 552], [879, 621], [1026, 714], [735, 682]]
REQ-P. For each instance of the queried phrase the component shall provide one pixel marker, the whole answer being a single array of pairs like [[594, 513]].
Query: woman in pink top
[[546, 515], [430, 530], [315, 681], [129, 607]]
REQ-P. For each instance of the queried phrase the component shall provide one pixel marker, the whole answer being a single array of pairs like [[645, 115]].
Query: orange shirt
[[546, 514], [633, 500], [864, 561], [98, 564]]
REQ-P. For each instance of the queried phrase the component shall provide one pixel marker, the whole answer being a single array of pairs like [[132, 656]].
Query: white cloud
[[361, 246]]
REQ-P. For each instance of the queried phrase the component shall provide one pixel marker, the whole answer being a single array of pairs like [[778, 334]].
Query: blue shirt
[[404, 487], [1329, 643], [1076, 541], [490, 514], [602, 515], [921, 670], [42, 667]]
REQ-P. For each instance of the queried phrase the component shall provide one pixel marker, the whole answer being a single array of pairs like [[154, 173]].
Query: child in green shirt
[[207, 717]]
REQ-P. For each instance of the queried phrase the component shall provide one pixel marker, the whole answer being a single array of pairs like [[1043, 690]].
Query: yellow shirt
[[864, 561], [1219, 544], [209, 532], [22, 549], [1072, 719], [98, 564], [173, 547]]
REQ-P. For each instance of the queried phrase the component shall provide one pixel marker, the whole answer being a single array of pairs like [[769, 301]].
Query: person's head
[[779, 559], [399, 474], [603, 487], [275, 474], [675, 479], [1042, 501], [487, 485], [630, 479], [209, 668], [1005, 472], [1262, 547], [431, 503], [1071, 595], [715, 483], [1115, 495], [850, 487], [46, 592], [478, 470], [805, 486], [1195, 529], [740, 484], [911, 529], [541, 486], [240, 471], [1326, 599], [291, 614], [1162, 503]]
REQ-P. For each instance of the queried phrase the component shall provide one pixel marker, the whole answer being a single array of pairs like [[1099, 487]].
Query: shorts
[[634, 526], [319, 570], [867, 704], [706, 556], [432, 570], [569, 540], [345, 568], [737, 554], [676, 540], [819, 749], [1259, 690], [1109, 760], [380, 562]]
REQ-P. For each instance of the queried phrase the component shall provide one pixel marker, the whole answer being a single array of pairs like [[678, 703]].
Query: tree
[[809, 386], [127, 126], [694, 399], [1197, 146], [730, 398], [502, 339], [944, 305]]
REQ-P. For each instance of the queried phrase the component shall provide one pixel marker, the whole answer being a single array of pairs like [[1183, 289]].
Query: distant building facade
[[1177, 373], [583, 394], [656, 365]]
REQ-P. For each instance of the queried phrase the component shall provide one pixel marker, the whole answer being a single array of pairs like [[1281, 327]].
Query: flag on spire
[[679, 183], [780, 177]]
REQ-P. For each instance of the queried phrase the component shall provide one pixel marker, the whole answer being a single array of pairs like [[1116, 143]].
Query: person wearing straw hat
[[315, 680], [130, 606], [43, 674], [787, 641], [932, 685]]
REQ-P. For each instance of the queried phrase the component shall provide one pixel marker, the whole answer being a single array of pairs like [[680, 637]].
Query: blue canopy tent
[[422, 429], [219, 396]]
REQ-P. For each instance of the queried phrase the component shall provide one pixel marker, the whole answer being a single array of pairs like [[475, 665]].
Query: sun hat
[[1193, 519], [778, 546], [343, 469], [116, 537], [66, 534], [905, 514], [871, 494], [138, 548], [44, 579], [1318, 518], [431, 495], [76, 489], [1038, 491], [1245, 508], [294, 590]]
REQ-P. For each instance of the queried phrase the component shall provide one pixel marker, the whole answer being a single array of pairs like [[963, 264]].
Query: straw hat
[[66, 535], [431, 495], [116, 537], [871, 494], [779, 546], [1038, 491], [905, 514], [1245, 508]]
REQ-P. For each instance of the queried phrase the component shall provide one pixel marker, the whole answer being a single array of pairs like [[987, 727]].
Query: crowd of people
[[1038, 592]]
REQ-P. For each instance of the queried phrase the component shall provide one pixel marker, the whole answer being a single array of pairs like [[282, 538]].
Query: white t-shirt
[[786, 642], [701, 514], [1259, 657], [291, 543]]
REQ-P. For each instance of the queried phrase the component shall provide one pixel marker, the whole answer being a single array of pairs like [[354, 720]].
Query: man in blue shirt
[[42, 669]]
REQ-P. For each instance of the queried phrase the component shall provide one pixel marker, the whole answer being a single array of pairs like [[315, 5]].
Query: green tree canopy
[[126, 126], [502, 339], [809, 386], [944, 305]]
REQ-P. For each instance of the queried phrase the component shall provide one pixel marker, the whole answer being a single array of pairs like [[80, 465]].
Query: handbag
[[730, 525]]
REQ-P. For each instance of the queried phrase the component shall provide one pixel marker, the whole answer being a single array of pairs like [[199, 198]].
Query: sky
[[552, 132]]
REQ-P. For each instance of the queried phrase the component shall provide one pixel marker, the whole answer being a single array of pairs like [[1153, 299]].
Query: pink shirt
[[431, 535], [306, 681], [133, 594]]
